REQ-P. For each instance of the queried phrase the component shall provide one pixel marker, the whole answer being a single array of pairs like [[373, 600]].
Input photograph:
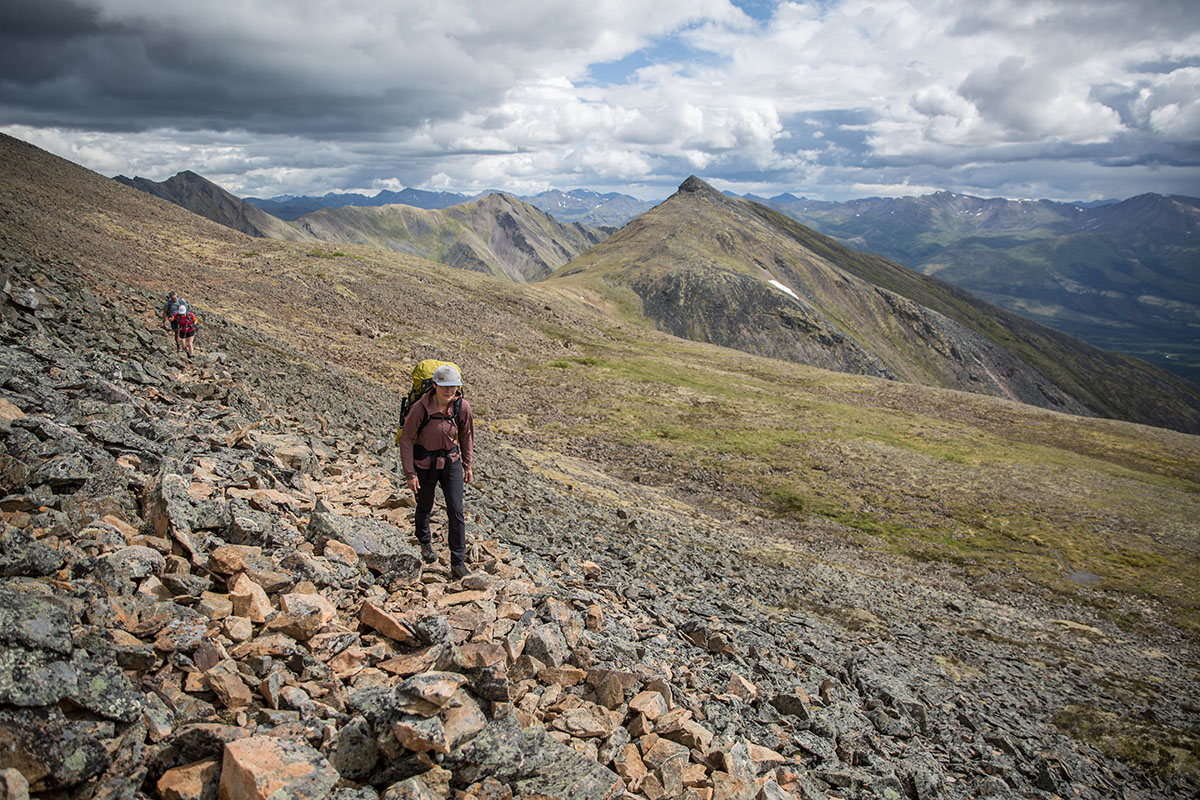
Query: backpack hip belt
[[420, 453]]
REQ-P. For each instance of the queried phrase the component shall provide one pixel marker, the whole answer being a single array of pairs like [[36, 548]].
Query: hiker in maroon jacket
[[436, 447], [184, 324]]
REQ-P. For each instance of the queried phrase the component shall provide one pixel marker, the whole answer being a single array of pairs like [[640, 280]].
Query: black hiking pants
[[450, 477]]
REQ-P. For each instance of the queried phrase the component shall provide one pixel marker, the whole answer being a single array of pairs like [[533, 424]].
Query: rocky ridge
[[201, 196], [207, 591]]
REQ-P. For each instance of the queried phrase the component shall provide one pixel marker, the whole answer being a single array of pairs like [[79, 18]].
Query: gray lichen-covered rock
[[430, 628], [547, 644], [103, 689], [51, 751], [63, 471], [183, 583], [533, 763], [21, 554], [35, 621], [499, 751], [167, 505], [382, 547], [34, 677], [257, 528], [354, 751], [322, 572], [120, 570]]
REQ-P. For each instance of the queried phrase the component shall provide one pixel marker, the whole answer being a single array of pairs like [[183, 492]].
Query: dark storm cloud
[[66, 64]]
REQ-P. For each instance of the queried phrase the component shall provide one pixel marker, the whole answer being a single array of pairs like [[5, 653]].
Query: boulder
[[51, 751], [268, 767], [198, 781], [383, 548]]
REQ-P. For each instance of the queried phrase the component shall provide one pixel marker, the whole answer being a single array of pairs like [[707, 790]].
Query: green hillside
[[498, 234]]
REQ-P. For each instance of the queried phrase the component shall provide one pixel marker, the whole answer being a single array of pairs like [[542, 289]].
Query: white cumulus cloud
[[823, 97]]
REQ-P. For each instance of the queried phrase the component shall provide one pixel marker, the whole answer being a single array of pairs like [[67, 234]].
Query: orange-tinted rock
[[390, 625], [651, 705], [562, 676], [411, 663], [262, 767], [196, 781], [741, 688], [295, 603], [250, 600], [628, 764], [230, 559]]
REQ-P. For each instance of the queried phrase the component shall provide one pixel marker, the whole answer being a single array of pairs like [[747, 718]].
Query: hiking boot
[[459, 570], [427, 553]]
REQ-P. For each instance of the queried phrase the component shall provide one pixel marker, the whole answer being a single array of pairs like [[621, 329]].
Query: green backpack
[[422, 382]]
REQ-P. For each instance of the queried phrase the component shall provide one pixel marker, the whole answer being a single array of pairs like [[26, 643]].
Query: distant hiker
[[169, 311], [184, 325], [437, 442]]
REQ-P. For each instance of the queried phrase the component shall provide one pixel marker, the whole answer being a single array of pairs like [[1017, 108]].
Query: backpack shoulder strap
[[457, 405], [424, 422]]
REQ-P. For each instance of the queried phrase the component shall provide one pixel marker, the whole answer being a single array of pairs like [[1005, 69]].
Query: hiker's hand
[[413, 485], [467, 475]]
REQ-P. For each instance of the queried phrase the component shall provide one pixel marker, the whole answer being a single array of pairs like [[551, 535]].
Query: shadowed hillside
[[1120, 276], [203, 197], [713, 268]]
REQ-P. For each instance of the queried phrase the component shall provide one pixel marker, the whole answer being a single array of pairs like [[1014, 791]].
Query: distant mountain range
[[497, 233], [292, 207], [713, 268], [609, 210], [1121, 275]]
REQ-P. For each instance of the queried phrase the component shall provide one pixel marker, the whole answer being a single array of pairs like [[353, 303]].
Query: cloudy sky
[[832, 99]]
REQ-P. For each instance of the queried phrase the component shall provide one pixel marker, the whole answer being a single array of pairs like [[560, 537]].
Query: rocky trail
[[210, 589]]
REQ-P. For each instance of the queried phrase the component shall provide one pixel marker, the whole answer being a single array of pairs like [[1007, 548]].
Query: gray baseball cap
[[447, 375]]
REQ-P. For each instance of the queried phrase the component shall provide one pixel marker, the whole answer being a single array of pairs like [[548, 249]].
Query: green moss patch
[[1148, 745]]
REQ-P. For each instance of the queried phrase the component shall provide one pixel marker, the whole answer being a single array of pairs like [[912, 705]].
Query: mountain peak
[[696, 188], [694, 184]]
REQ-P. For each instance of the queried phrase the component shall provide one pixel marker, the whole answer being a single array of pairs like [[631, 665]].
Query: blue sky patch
[[666, 50], [761, 10]]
